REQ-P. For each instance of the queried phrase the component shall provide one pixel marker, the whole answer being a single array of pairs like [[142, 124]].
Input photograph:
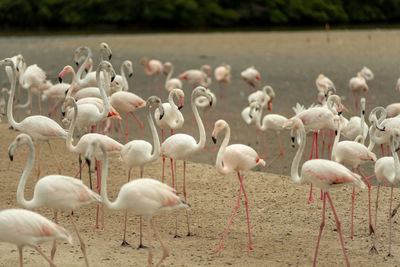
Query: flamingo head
[[105, 51], [66, 69], [88, 65], [166, 66], [218, 126], [154, 101], [19, 140], [7, 62], [144, 61]]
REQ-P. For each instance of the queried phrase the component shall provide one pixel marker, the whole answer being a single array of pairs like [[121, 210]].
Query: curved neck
[[103, 190], [171, 70], [29, 204], [71, 129], [10, 116], [21, 76], [106, 108], [73, 84], [82, 67], [335, 142], [395, 158], [219, 163], [362, 116], [126, 87], [294, 173], [374, 138], [156, 140], [202, 132]]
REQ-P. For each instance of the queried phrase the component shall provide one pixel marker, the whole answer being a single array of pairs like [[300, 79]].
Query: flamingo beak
[[292, 138], [340, 109], [161, 115], [10, 156], [214, 139], [77, 64], [112, 77], [113, 113], [109, 57], [269, 105], [180, 106], [61, 75], [130, 74]]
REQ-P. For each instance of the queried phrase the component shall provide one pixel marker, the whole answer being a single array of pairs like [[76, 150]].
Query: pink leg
[[383, 152], [373, 249], [371, 228], [390, 222], [338, 229], [173, 186], [126, 128], [40, 105], [21, 258], [265, 156], [247, 212], [38, 160], [54, 248], [321, 227], [184, 194], [140, 124], [124, 243], [43, 255], [322, 133], [310, 198], [219, 248], [121, 130], [83, 246], [141, 221], [165, 250], [352, 213], [388, 150]]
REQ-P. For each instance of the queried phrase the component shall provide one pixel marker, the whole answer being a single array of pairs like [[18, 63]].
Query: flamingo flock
[[92, 103]]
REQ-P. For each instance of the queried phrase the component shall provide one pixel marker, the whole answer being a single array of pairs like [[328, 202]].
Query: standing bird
[[387, 170], [40, 128], [265, 96], [139, 152], [171, 83], [144, 197], [252, 77], [358, 84], [234, 158], [222, 75], [323, 174], [172, 118], [356, 126], [323, 83], [121, 82], [194, 77], [27, 228], [181, 146], [153, 67], [58, 192]]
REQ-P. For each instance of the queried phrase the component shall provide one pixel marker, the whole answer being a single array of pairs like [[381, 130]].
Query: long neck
[[156, 140], [174, 107], [29, 204], [103, 190], [21, 76], [296, 161], [374, 138], [202, 141], [26, 104], [170, 73], [11, 100], [262, 127], [106, 108], [335, 142], [220, 167], [68, 142], [126, 86], [361, 134], [82, 67]]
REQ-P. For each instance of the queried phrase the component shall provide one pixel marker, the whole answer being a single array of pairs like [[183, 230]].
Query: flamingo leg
[[82, 243], [21, 258], [265, 155], [184, 194], [373, 249], [280, 153], [140, 123], [40, 104], [310, 198], [54, 248], [165, 250], [141, 221], [390, 222], [219, 248], [321, 227], [163, 156], [339, 230], [38, 160], [250, 248], [126, 128], [124, 243], [150, 255], [44, 256], [173, 186], [59, 169], [121, 129], [353, 195], [371, 228]]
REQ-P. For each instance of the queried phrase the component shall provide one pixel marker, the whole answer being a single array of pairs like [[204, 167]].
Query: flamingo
[[393, 110], [55, 95], [120, 82], [194, 77], [367, 73], [323, 83], [387, 170], [202, 102], [19, 65], [139, 152], [353, 154], [251, 76], [222, 75], [27, 228], [81, 147], [171, 83], [356, 85], [270, 121], [322, 173], [264, 97], [153, 67], [129, 103], [234, 158], [172, 118], [58, 192], [356, 125], [144, 196], [3, 103], [181, 146], [40, 128]]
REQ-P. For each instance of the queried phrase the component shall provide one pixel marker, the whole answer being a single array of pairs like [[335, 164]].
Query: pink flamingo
[[138, 153], [264, 97], [194, 77], [81, 147], [270, 121], [234, 158], [144, 196], [352, 153], [40, 128], [129, 103], [222, 75], [251, 76], [181, 146], [323, 83], [58, 192], [153, 67], [387, 170], [203, 102], [323, 174], [27, 228], [356, 126], [172, 118], [393, 110], [171, 83], [19, 64], [55, 95], [358, 84]]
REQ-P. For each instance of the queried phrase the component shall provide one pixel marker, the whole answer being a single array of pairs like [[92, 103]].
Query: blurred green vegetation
[[190, 14]]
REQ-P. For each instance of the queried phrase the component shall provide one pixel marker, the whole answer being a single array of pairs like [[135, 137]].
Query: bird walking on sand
[[234, 158], [153, 67], [27, 228], [144, 197], [40, 128], [139, 153], [387, 170], [181, 146], [323, 174], [58, 192]]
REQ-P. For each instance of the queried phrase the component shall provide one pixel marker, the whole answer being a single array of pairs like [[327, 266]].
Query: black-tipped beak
[[382, 130], [112, 78], [252, 84], [17, 68], [130, 75], [397, 149], [180, 107], [109, 57], [66, 92], [87, 161], [214, 139], [211, 102], [340, 113], [63, 113], [60, 79], [250, 116], [11, 156], [77, 64], [292, 138], [363, 112], [161, 115], [86, 71], [336, 132]]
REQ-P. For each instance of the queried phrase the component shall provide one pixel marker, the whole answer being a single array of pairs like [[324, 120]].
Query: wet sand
[[284, 224]]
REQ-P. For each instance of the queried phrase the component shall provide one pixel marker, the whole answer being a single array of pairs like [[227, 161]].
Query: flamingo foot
[[373, 250], [312, 199], [189, 234], [125, 244], [141, 246], [371, 229], [218, 249], [390, 255], [214, 148], [177, 236], [265, 156], [351, 237], [248, 249]]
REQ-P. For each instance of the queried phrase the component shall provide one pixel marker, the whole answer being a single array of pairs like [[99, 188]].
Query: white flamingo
[[171, 83]]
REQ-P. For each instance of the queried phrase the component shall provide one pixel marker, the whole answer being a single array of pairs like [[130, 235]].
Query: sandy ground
[[284, 224]]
